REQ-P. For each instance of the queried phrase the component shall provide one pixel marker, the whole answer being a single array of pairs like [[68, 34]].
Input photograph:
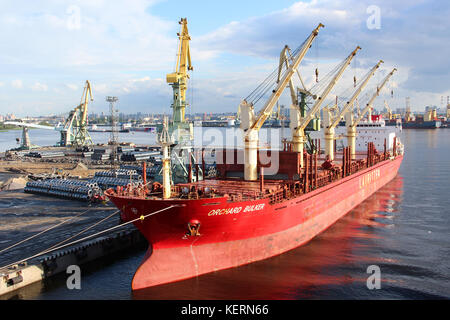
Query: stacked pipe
[[69, 189], [138, 156], [111, 182], [101, 154], [119, 173], [151, 171], [121, 149], [48, 154]]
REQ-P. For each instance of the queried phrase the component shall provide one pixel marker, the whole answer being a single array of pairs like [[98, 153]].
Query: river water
[[403, 229]]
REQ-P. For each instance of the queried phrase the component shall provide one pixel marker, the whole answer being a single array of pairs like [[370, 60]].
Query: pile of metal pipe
[[139, 156], [120, 173], [100, 156], [69, 189], [151, 170], [46, 154], [111, 182]]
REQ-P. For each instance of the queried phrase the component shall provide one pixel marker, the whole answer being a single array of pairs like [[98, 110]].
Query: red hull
[[237, 233]]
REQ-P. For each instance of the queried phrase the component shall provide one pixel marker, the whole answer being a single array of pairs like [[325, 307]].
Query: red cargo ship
[[221, 223]]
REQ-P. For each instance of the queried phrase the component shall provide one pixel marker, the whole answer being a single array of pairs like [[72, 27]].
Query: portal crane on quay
[[74, 130], [178, 80]]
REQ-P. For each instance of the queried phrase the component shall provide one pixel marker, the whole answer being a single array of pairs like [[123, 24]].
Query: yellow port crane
[[74, 131], [178, 79]]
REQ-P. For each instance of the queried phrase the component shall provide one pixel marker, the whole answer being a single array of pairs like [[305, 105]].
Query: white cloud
[[37, 86], [72, 86], [17, 84]]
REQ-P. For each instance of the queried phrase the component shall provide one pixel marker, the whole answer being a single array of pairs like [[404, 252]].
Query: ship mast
[[165, 141]]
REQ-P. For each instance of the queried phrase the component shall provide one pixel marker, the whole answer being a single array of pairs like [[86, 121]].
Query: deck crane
[[351, 123], [286, 58], [388, 115], [251, 124], [178, 81], [299, 123], [330, 123]]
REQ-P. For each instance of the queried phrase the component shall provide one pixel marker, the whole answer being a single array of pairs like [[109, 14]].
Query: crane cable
[[44, 231], [142, 217]]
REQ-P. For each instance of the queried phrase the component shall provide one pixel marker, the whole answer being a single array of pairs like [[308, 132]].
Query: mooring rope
[[142, 217], [83, 231], [44, 231]]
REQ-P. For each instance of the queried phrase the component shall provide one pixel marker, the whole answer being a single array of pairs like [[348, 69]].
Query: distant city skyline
[[48, 49]]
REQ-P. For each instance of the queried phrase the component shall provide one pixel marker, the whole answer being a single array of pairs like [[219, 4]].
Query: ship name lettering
[[234, 210], [369, 178], [219, 212], [256, 207]]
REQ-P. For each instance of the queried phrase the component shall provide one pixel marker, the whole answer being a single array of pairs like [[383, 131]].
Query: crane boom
[[375, 95], [80, 133], [253, 124], [349, 103], [85, 98], [315, 108], [178, 79], [267, 109], [284, 59], [298, 131]]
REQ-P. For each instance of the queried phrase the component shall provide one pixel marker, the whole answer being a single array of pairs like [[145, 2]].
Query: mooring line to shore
[[142, 217], [84, 230], [44, 231]]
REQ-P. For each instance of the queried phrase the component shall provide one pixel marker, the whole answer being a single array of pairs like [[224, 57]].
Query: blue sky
[[125, 48]]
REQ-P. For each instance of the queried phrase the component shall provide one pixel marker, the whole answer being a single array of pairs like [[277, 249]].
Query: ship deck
[[239, 186]]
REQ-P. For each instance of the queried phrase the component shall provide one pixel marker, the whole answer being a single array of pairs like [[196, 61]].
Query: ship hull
[[230, 237], [434, 124]]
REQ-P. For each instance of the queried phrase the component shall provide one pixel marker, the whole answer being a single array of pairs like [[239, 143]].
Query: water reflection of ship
[[305, 272]]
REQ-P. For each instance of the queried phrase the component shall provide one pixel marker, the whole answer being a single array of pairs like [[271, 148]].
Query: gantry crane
[[351, 123], [329, 122], [178, 81], [252, 124], [299, 123]]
